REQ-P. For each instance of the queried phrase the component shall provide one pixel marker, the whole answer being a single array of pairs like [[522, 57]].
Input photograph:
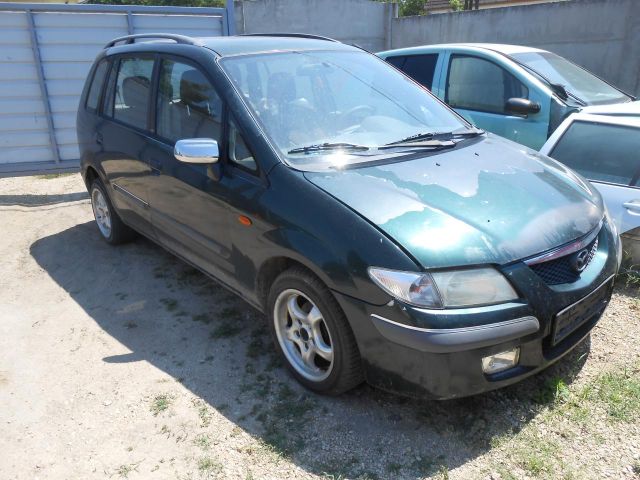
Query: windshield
[[322, 103], [576, 80]]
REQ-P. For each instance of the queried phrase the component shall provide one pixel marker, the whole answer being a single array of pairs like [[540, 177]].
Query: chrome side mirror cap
[[197, 150]]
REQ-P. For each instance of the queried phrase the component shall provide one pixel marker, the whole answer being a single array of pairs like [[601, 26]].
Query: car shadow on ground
[[32, 200], [218, 347]]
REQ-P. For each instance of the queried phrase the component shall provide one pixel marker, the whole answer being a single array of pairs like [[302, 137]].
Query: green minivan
[[519, 93]]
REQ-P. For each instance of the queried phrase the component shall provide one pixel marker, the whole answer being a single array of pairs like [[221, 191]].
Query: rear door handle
[[633, 205], [99, 138]]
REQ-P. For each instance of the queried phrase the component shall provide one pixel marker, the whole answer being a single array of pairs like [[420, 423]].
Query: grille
[[559, 270]]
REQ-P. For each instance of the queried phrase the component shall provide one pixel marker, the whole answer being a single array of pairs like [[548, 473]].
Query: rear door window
[[96, 85], [419, 67], [129, 97], [477, 84], [600, 152]]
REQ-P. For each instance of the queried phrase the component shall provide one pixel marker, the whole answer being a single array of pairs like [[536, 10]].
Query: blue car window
[[419, 67], [606, 153], [474, 83]]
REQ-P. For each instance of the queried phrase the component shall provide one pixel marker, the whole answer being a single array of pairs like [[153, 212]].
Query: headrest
[[194, 88], [281, 87], [135, 91]]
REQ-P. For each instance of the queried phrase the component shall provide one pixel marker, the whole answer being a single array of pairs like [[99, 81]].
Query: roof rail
[[129, 39], [297, 35]]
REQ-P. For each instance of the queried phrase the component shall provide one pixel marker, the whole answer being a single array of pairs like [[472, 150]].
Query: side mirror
[[197, 150], [521, 106]]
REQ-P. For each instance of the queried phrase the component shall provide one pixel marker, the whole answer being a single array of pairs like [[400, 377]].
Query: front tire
[[110, 225], [312, 334]]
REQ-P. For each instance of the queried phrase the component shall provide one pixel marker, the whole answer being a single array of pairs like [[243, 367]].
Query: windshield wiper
[[328, 146], [439, 138]]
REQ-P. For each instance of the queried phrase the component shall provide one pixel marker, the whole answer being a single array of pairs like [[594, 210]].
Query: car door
[[192, 205], [605, 151], [479, 89], [123, 137]]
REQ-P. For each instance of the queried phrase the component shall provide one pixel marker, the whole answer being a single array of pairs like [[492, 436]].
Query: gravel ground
[[126, 363]]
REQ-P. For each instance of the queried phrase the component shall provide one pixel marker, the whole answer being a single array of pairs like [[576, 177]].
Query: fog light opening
[[501, 361]]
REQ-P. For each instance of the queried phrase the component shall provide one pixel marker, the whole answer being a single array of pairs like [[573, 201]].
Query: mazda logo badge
[[579, 260]]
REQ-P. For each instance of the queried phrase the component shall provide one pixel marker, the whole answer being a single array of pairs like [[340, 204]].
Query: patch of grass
[[51, 176], [160, 403], [203, 441], [201, 317], [619, 394], [123, 471], [204, 414], [554, 390], [225, 330], [171, 304], [230, 312], [394, 468], [209, 466]]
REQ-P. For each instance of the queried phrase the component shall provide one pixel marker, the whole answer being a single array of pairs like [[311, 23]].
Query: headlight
[[453, 288]]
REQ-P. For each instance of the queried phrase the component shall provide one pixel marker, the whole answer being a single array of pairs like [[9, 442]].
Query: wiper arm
[[328, 146], [435, 144], [435, 136]]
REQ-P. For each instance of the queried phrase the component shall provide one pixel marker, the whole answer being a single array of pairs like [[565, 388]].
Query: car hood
[[616, 109], [491, 202]]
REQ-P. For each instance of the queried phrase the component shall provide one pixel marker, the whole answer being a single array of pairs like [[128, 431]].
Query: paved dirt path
[[126, 363]]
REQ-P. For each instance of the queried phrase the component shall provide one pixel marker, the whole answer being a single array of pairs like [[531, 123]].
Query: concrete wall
[[601, 35], [363, 22]]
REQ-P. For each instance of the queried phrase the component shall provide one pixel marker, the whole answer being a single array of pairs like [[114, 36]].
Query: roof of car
[[498, 47], [235, 45]]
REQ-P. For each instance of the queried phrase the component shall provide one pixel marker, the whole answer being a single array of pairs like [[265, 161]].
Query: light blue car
[[516, 92]]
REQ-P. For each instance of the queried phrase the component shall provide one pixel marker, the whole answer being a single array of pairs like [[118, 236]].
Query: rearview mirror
[[197, 150], [521, 106]]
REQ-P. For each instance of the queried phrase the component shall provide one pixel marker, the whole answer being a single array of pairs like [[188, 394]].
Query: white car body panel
[[623, 202]]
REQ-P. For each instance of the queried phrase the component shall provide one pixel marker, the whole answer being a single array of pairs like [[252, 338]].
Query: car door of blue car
[[479, 88]]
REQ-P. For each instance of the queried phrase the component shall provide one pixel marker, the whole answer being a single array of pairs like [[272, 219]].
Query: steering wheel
[[355, 115]]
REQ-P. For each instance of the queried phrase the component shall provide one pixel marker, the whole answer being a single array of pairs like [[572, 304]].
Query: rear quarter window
[[97, 82], [601, 152]]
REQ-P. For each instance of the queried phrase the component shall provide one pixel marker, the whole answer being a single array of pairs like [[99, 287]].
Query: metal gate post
[[129, 23], [43, 85], [230, 18]]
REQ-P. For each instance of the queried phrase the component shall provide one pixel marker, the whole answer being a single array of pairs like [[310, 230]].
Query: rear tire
[[111, 227], [312, 333]]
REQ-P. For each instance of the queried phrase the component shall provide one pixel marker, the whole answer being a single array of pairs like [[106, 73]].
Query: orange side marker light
[[246, 221]]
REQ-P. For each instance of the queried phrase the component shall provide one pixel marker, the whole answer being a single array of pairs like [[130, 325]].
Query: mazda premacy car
[[385, 238]]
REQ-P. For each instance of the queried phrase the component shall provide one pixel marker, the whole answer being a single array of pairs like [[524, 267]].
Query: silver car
[[603, 144]]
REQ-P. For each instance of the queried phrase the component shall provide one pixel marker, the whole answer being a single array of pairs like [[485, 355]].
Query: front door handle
[[99, 138], [633, 206]]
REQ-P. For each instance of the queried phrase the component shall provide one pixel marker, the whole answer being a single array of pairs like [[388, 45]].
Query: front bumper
[[438, 353]]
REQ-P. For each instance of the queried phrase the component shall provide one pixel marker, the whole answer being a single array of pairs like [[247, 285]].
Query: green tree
[[412, 7], [176, 3]]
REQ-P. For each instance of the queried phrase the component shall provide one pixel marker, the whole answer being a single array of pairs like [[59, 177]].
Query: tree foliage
[[164, 3], [412, 7]]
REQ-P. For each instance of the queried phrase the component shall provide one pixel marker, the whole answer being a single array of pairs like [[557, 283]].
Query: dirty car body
[[462, 262]]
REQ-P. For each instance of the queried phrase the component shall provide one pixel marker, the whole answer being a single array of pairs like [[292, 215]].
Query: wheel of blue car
[[111, 227], [312, 333]]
